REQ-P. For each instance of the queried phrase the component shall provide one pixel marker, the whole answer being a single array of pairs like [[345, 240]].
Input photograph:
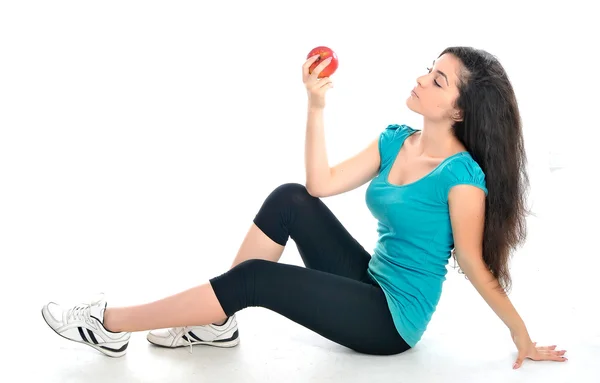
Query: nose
[[421, 80]]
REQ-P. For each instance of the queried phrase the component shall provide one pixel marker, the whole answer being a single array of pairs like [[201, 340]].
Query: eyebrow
[[442, 73]]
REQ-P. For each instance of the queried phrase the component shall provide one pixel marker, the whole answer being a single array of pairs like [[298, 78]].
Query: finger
[[326, 87], [323, 89], [518, 362], [319, 68], [557, 353], [308, 63], [324, 82], [557, 358], [550, 355], [317, 86], [544, 348]]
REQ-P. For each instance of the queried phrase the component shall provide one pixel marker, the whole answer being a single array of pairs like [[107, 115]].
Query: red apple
[[324, 53]]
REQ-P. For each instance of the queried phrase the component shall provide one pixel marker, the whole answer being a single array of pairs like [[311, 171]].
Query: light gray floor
[[465, 342]]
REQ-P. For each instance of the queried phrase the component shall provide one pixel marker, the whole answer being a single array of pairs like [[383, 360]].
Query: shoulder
[[463, 165], [390, 140], [394, 132], [462, 169], [398, 128]]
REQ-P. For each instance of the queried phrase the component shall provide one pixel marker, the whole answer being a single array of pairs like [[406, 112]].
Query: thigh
[[322, 241], [351, 313]]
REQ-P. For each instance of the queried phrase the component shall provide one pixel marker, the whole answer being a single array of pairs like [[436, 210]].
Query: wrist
[[519, 329], [315, 108]]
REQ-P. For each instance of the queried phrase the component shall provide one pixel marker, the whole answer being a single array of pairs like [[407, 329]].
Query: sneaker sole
[[112, 354], [226, 344]]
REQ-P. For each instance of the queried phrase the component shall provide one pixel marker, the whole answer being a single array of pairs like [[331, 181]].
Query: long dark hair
[[491, 130]]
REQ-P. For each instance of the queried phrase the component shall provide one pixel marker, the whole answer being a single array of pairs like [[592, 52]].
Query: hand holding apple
[[324, 53], [313, 77]]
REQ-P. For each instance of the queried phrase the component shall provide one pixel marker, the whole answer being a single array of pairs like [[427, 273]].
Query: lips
[[415, 93]]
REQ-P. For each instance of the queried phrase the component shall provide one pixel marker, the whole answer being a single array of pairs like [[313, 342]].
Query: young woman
[[458, 184]]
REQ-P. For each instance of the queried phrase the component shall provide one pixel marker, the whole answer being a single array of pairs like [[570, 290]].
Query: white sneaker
[[84, 323], [225, 335]]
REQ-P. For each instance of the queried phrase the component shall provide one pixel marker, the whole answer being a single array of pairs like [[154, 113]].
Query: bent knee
[[290, 193], [290, 189], [252, 265]]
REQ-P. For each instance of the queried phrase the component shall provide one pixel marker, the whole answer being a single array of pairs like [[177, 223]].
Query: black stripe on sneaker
[[123, 348], [92, 337], [82, 335], [185, 338], [194, 336], [233, 337]]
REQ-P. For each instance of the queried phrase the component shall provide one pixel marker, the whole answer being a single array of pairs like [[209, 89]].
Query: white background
[[138, 139]]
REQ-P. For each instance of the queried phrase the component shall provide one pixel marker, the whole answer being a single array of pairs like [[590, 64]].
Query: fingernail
[[514, 366]]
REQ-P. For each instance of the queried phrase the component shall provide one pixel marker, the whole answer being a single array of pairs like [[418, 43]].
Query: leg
[[352, 313], [324, 244], [289, 211], [322, 241], [198, 306], [338, 308], [257, 245]]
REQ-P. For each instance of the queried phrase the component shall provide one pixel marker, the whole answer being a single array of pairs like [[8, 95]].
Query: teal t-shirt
[[414, 232]]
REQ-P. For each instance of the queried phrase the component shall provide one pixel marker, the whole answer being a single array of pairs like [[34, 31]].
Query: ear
[[457, 115]]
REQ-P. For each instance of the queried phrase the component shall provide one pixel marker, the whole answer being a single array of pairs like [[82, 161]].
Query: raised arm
[[321, 179]]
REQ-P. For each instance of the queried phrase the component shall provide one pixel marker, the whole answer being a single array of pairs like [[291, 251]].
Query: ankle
[[109, 321], [220, 323]]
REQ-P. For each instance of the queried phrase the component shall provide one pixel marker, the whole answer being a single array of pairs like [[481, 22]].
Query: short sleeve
[[463, 170], [390, 140]]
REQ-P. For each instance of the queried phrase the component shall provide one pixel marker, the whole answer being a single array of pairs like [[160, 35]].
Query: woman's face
[[435, 94]]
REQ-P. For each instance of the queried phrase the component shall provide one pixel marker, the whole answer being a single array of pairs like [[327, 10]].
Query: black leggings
[[333, 296]]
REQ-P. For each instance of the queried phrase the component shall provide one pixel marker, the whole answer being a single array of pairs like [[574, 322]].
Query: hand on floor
[[528, 349]]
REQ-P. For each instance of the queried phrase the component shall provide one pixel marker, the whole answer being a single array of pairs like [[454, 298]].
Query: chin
[[410, 104]]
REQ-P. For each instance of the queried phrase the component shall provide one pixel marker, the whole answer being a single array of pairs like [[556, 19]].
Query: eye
[[434, 81]]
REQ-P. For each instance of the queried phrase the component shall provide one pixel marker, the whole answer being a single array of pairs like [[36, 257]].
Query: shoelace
[[187, 338], [79, 312], [186, 333]]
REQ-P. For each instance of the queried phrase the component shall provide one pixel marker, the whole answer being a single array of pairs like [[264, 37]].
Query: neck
[[436, 140]]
